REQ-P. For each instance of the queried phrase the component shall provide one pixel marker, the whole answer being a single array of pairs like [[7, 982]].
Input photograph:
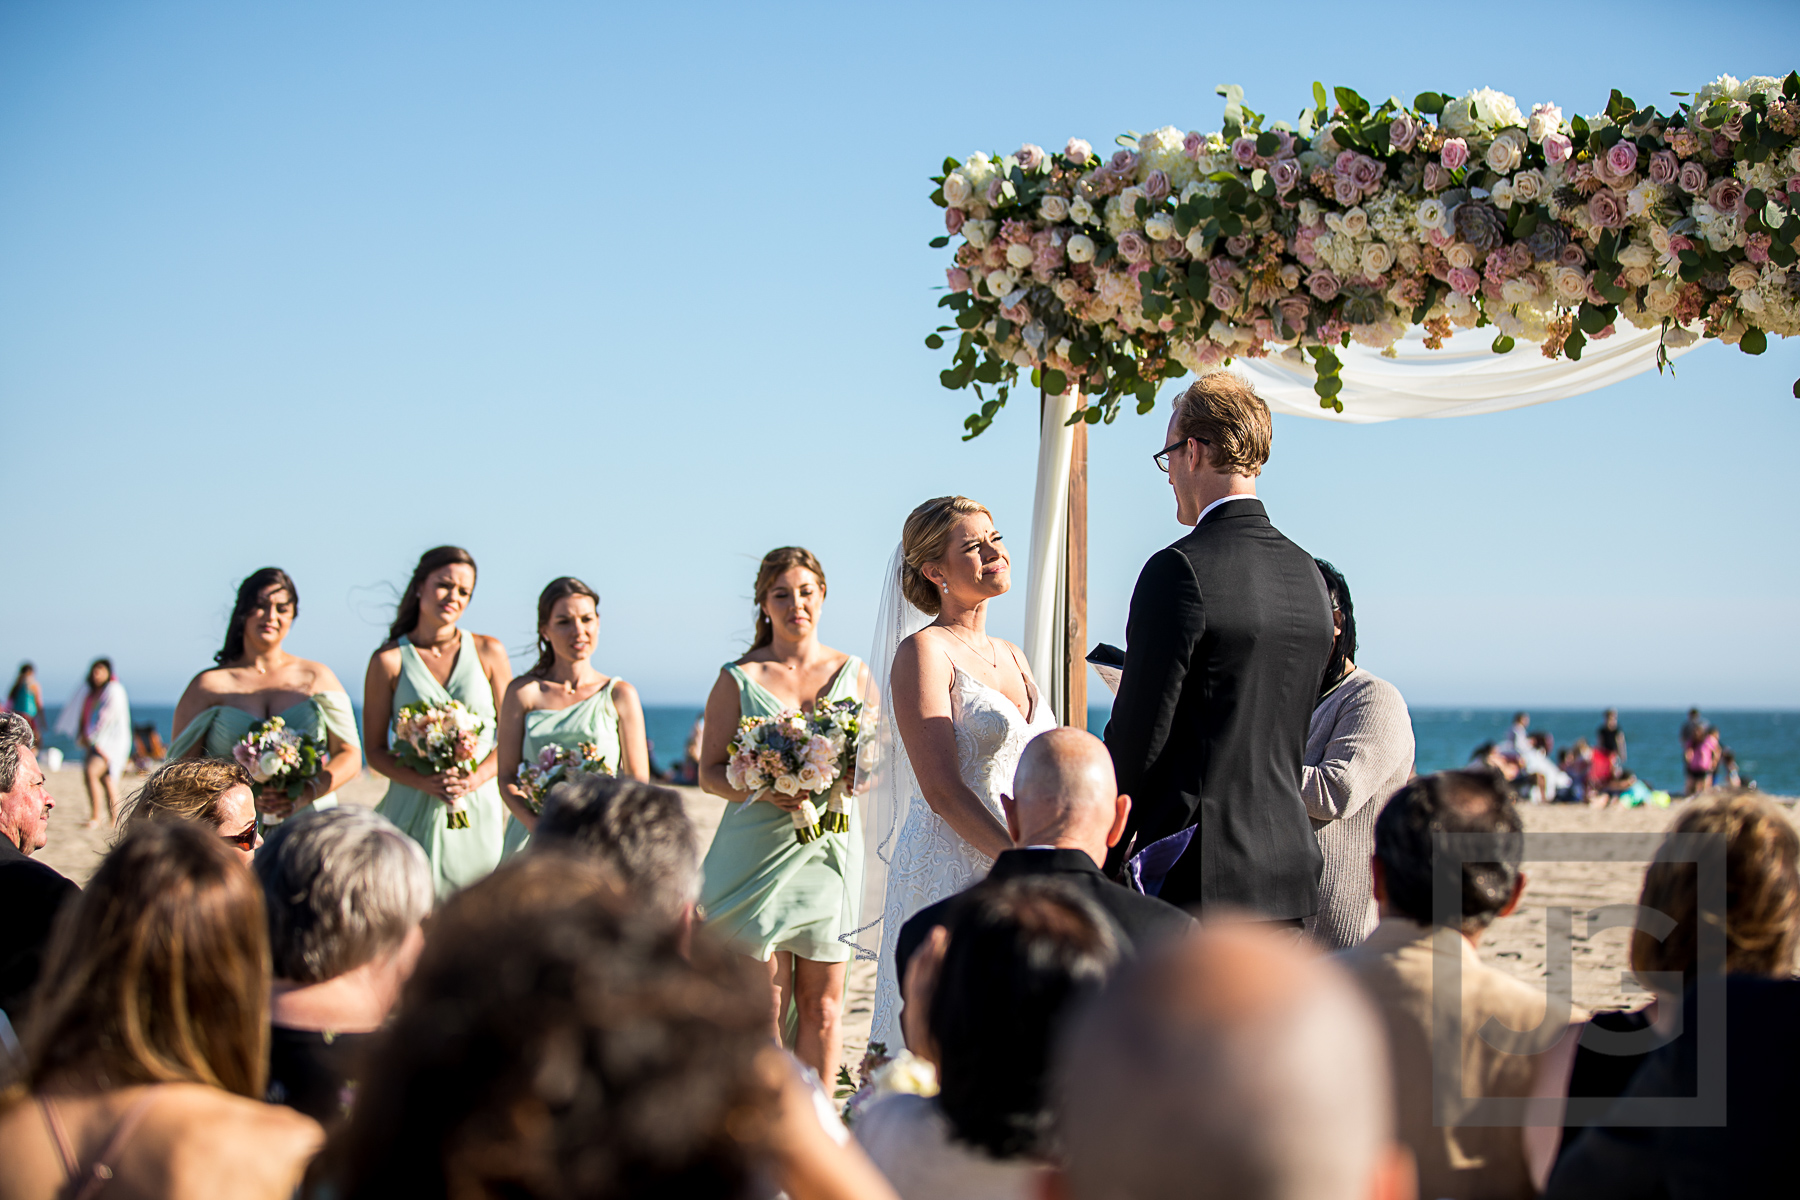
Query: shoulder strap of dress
[[103, 1170], [59, 1135]]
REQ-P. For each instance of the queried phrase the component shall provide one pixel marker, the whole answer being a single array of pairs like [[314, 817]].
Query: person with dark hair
[[1398, 964], [98, 717], [985, 999], [1229, 635], [563, 701], [638, 831], [26, 699], [214, 792], [31, 893], [147, 1047], [1609, 747], [783, 902], [429, 658], [256, 679], [557, 1041], [1358, 751], [347, 894]]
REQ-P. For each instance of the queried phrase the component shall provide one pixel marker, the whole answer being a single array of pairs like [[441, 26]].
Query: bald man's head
[[1065, 794], [1228, 1064]]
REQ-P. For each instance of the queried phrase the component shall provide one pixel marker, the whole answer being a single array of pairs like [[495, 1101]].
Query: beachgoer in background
[[1728, 766], [778, 900], [428, 658], [1701, 759], [1609, 744], [26, 699], [1762, 929], [98, 717], [147, 749], [1577, 762], [1398, 963], [147, 1047], [1231, 1065], [687, 771], [31, 894], [1691, 728], [256, 679], [563, 701], [215, 792], [984, 999], [1490, 757], [346, 893], [1359, 750], [638, 832], [1518, 736]]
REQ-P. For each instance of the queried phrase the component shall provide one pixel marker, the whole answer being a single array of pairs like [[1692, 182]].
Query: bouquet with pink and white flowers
[[278, 756], [556, 763], [799, 754], [434, 738]]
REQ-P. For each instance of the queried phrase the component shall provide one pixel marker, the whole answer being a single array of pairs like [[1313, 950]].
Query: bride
[[963, 705]]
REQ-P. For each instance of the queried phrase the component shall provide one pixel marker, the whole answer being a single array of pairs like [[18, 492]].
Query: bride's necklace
[[993, 662]]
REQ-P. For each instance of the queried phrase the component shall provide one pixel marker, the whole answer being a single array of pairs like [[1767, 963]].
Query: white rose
[[1063, 346], [1309, 212], [1546, 119], [1506, 152], [1081, 212], [268, 766], [1196, 243], [1080, 248], [1053, 209], [1636, 276], [1659, 239], [1517, 291], [1660, 298], [812, 779], [1571, 283], [1356, 221], [1744, 276], [1459, 254], [1528, 186], [1066, 290], [1503, 194], [787, 785], [1001, 282], [957, 190], [1636, 255], [979, 233], [1432, 214], [1377, 257], [1019, 255], [1160, 227]]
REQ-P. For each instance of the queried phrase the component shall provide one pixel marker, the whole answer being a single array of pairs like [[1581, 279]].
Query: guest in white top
[[983, 1001]]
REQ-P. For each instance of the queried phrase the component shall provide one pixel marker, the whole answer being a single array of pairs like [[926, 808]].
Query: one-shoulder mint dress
[[458, 856], [764, 891], [218, 729], [594, 720]]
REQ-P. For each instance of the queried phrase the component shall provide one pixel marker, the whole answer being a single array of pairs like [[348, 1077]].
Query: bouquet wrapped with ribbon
[[841, 725], [278, 756], [798, 754], [434, 738], [556, 763]]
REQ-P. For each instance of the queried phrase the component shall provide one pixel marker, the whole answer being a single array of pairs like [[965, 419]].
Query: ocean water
[[1767, 743]]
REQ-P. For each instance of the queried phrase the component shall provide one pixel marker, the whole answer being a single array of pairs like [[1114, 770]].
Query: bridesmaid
[[778, 900], [564, 701], [256, 678], [427, 657]]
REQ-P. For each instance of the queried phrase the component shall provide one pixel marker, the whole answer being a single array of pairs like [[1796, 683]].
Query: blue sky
[[638, 293]]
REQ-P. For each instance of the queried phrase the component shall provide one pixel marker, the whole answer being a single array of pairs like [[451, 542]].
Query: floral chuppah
[[1185, 250]]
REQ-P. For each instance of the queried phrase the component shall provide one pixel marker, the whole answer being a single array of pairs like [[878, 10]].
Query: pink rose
[[1286, 148], [1030, 157], [1454, 154], [1193, 144], [1323, 285], [995, 192], [1224, 297], [1018, 314], [1403, 131], [1605, 209], [1346, 191], [1677, 243], [1727, 195], [1156, 187], [1239, 244], [1293, 310], [1734, 126], [1124, 162], [1344, 162], [1621, 160], [1221, 267], [1691, 178], [1436, 178], [1078, 152], [958, 279], [1558, 147], [1721, 146], [1366, 173], [1047, 254], [1664, 167], [953, 220], [1756, 247], [1571, 255], [1134, 247], [1243, 151], [1464, 280], [1793, 186], [1286, 174], [1303, 244]]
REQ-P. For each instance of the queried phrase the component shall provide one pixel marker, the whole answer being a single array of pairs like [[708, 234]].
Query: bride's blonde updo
[[924, 540]]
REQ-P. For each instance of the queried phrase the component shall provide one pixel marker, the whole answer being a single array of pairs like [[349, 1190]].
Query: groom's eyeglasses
[[1161, 457]]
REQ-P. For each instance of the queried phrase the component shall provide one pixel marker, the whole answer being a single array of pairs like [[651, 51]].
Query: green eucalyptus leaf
[[934, 342], [1754, 341], [1503, 344], [939, 242]]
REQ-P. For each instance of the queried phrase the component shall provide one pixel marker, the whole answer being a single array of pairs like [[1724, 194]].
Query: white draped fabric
[[1049, 529]]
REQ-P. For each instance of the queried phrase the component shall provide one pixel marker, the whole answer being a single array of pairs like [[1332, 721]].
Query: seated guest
[[1359, 749], [31, 894], [1064, 815], [1231, 1065], [556, 1041], [212, 791], [346, 892], [1762, 926], [1397, 963], [147, 1046], [985, 996], [638, 831]]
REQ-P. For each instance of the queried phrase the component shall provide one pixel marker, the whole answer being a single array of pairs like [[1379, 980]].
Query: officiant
[[1227, 641]]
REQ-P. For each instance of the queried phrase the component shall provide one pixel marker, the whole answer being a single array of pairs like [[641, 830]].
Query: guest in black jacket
[[1064, 813], [1227, 642], [30, 892]]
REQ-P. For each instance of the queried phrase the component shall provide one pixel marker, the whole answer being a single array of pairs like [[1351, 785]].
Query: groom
[[1227, 643]]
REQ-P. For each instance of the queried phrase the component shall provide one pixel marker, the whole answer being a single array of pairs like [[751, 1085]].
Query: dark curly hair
[[1467, 801]]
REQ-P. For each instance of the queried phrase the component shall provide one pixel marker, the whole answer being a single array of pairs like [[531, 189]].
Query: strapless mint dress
[[216, 730], [594, 720], [765, 892]]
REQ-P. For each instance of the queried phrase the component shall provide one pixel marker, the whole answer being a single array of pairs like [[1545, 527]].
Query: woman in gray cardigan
[[1359, 751]]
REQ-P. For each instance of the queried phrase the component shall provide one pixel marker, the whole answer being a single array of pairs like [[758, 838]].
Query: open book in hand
[[1109, 661]]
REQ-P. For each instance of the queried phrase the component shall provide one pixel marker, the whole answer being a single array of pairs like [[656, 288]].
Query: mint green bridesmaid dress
[[458, 856], [765, 892], [594, 720], [218, 729]]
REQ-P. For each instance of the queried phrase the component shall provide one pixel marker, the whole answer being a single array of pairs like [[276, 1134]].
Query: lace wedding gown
[[929, 861]]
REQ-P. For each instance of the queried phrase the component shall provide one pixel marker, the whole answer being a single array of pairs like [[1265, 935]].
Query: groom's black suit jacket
[[1227, 642]]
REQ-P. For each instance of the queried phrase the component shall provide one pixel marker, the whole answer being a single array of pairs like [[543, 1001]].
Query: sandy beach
[[1516, 943]]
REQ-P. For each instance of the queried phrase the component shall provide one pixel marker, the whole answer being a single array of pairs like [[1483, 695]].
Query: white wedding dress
[[928, 860]]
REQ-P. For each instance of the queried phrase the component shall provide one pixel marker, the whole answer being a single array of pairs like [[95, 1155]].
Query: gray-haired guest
[[347, 892], [638, 831]]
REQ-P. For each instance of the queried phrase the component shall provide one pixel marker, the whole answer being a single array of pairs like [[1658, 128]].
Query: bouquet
[[557, 763], [796, 753], [279, 757], [433, 738], [883, 1074], [841, 725]]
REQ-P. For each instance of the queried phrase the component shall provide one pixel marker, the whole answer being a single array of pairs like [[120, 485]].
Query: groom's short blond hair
[[1226, 413]]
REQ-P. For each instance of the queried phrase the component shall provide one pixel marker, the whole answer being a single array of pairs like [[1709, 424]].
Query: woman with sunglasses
[[214, 792]]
